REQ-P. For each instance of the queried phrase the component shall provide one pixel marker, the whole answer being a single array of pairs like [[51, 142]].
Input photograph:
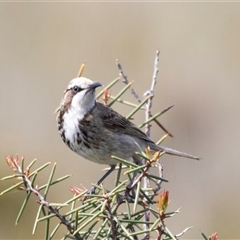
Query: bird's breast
[[91, 140]]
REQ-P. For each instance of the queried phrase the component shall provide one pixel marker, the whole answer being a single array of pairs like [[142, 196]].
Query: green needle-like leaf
[[31, 164], [169, 233], [162, 139], [120, 94], [100, 229], [88, 221], [146, 196], [25, 201], [155, 224], [135, 221], [139, 232], [108, 87], [11, 177], [141, 151], [137, 108], [88, 232], [135, 169], [125, 102], [46, 217], [128, 209], [22, 163], [126, 162], [39, 169], [36, 219], [54, 231], [84, 207], [121, 226], [150, 119], [137, 196], [58, 204], [71, 215], [138, 213], [68, 235], [104, 205], [118, 174], [76, 197], [54, 182], [108, 233], [204, 236], [11, 188], [117, 188], [155, 213], [154, 117], [76, 221], [50, 179], [22, 207], [144, 156], [156, 177], [47, 228]]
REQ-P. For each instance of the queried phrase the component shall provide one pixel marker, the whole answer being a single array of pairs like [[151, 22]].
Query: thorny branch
[[151, 93], [147, 129], [136, 96], [159, 182], [125, 80], [112, 221], [13, 163]]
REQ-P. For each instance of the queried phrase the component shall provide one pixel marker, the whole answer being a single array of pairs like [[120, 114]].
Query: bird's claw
[[90, 192]]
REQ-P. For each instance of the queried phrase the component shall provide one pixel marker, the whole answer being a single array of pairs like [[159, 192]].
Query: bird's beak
[[94, 85]]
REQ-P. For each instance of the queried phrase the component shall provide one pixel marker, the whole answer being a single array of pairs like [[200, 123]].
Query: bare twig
[[125, 80], [136, 96], [159, 182], [151, 93], [147, 130], [111, 220]]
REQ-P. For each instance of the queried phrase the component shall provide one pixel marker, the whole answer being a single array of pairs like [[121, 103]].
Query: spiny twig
[[29, 187], [151, 93], [136, 96], [159, 182], [147, 129], [125, 80]]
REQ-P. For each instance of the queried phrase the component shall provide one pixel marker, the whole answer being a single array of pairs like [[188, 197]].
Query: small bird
[[97, 132]]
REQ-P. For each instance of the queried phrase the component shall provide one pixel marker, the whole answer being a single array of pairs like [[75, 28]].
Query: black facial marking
[[76, 89]]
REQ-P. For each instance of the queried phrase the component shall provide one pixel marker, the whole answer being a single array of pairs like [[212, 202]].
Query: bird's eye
[[76, 89]]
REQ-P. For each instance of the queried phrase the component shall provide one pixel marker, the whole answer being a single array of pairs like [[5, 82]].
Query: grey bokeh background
[[42, 46]]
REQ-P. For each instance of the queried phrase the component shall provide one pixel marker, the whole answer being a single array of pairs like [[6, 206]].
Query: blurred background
[[42, 47]]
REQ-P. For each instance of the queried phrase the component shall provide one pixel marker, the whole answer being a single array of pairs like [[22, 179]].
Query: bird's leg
[[129, 187], [112, 168]]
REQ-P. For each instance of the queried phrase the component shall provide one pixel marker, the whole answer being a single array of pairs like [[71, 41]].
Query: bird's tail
[[177, 153]]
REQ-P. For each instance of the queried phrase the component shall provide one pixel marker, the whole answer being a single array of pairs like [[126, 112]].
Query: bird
[[96, 132]]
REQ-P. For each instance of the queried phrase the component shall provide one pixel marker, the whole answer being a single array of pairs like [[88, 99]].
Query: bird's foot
[[90, 192], [129, 193]]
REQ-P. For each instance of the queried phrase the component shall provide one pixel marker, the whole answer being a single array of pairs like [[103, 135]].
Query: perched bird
[[97, 132]]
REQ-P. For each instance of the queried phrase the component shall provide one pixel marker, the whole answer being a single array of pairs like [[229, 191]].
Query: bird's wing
[[114, 121]]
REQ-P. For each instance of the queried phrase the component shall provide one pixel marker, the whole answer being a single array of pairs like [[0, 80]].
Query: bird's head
[[80, 95]]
